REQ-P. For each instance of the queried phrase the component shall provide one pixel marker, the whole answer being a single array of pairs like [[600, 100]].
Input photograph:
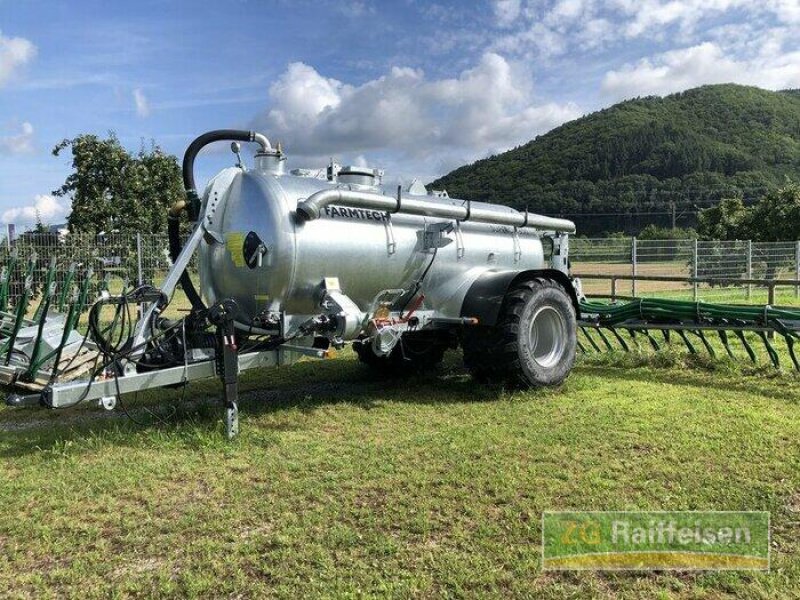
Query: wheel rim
[[548, 336]]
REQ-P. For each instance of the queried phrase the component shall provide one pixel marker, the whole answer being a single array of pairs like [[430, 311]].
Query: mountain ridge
[[646, 160]]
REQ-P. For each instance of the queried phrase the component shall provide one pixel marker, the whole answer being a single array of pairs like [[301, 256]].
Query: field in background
[[725, 261]]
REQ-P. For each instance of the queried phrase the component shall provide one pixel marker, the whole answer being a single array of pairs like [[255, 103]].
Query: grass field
[[346, 485]]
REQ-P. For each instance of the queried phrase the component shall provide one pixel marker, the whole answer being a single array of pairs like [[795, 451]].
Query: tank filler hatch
[[360, 176]]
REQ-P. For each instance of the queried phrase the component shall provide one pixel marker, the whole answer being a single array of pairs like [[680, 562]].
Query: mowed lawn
[[343, 484]]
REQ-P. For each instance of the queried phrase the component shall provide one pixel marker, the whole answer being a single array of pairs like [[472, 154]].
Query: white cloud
[[14, 52], [506, 11], [488, 108], [48, 209], [545, 28], [18, 143], [142, 105], [703, 64]]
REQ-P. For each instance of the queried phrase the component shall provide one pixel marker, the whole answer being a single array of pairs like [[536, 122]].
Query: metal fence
[[117, 260], [725, 263], [120, 259]]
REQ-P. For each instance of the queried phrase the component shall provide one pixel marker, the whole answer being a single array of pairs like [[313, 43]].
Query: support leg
[[223, 316]]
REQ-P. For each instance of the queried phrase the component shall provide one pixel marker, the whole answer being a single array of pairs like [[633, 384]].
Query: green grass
[[343, 484]]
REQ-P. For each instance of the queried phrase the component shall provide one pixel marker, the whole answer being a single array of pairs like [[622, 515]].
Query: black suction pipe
[[192, 203]]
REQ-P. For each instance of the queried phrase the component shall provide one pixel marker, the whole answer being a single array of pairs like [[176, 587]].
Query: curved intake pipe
[[311, 208], [192, 201]]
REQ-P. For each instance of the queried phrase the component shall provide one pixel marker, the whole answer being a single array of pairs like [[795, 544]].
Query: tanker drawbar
[[300, 263]]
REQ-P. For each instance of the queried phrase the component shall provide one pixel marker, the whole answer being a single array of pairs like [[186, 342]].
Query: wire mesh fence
[[125, 260], [724, 265], [113, 261]]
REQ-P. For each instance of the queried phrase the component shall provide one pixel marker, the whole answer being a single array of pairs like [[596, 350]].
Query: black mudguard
[[485, 295]]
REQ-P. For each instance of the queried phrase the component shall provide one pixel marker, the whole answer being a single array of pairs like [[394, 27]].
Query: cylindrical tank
[[259, 252]]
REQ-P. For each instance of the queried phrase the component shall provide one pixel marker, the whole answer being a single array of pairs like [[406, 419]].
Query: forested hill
[[642, 160]]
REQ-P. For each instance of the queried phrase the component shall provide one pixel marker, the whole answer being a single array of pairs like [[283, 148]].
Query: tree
[[774, 218], [654, 232], [728, 220], [112, 190]]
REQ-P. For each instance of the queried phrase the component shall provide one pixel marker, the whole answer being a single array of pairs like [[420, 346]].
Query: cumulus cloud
[[48, 209], [18, 143], [14, 53], [141, 103], [703, 64], [487, 108], [546, 28]]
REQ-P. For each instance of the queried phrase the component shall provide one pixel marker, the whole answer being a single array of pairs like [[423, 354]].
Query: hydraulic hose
[[192, 199]]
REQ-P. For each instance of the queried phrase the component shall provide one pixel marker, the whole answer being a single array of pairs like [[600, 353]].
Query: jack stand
[[223, 315]]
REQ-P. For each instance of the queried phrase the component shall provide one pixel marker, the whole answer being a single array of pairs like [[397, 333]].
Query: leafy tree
[[654, 232], [113, 190], [728, 220], [774, 218]]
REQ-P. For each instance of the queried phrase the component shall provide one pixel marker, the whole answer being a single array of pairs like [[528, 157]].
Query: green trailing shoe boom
[[605, 327]]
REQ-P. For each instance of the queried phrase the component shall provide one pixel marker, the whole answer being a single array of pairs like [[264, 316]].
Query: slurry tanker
[[298, 263]]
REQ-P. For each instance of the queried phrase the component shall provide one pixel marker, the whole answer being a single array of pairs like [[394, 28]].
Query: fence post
[[139, 275], [694, 270], [139, 278], [797, 268], [749, 267], [633, 266]]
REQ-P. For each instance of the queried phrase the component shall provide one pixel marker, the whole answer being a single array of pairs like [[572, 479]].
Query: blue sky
[[414, 87]]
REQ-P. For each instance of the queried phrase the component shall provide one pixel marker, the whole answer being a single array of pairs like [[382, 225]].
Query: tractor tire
[[410, 355], [533, 342]]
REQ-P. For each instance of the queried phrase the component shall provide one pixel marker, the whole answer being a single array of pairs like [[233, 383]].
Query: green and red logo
[[716, 540]]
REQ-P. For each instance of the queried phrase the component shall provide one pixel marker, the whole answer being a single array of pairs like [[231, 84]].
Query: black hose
[[173, 222]]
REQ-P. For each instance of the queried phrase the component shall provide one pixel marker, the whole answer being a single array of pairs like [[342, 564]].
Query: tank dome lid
[[359, 175]]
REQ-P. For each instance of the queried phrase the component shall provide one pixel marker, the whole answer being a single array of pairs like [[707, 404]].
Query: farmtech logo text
[[714, 540]]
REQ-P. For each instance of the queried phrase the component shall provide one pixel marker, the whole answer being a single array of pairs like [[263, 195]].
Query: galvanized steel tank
[[367, 250]]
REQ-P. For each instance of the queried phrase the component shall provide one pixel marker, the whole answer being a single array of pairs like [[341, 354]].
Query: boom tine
[[619, 339], [773, 356], [66, 287], [747, 346], [723, 336], [605, 340], [652, 340], [47, 290], [22, 308], [632, 333], [580, 346], [5, 285], [686, 341], [4, 288], [709, 348], [33, 361], [591, 340], [69, 324], [790, 345]]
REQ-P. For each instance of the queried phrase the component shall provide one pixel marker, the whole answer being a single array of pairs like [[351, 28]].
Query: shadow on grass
[[768, 382], [193, 414]]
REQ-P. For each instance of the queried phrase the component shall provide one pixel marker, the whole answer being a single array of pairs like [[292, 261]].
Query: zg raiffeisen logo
[[715, 540]]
